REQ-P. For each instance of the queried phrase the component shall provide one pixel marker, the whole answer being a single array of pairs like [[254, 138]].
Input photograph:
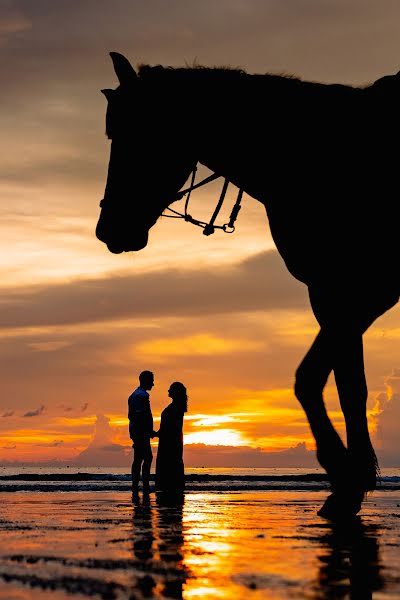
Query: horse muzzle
[[130, 246], [121, 237], [131, 243]]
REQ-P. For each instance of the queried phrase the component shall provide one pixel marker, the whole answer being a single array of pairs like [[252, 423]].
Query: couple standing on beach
[[170, 476]]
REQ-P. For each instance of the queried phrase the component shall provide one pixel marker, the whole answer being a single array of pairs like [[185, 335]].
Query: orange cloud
[[50, 346], [199, 344]]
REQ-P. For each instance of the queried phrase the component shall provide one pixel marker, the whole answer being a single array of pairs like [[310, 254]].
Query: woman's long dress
[[170, 476]]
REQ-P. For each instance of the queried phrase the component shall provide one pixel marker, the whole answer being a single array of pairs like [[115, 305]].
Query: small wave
[[65, 477], [91, 482], [84, 476]]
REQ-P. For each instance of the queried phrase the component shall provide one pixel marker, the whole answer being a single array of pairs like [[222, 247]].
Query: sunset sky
[[219, 313]]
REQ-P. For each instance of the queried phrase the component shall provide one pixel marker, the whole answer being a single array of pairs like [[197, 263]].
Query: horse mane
[[233, 75], [228, 73], [145, 70]]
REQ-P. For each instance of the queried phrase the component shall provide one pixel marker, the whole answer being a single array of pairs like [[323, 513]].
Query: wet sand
[[227, 545]]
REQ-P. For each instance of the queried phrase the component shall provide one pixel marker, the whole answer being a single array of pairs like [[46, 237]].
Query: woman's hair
[[178, 393]]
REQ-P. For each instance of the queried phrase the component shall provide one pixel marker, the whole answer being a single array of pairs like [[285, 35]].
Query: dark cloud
[[200, 455], [53, 444], [112, 448], [7, 413], [101, 363], [49, 42], [258, 283], [102, 450], [34, 413], [385, 415], [84, 407]]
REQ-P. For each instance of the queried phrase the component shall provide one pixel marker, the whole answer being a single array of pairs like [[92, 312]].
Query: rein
[[208, 228]]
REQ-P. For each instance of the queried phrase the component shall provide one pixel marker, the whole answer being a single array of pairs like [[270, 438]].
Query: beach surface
[[228, 545]]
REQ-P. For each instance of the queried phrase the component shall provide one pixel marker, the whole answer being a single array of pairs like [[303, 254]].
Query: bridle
[[208, 228]]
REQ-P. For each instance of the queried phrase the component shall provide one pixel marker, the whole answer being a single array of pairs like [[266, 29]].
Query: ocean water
[[91, 479]]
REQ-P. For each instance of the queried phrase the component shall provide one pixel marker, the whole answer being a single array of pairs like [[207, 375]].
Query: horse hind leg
[[311, 377], [362, 468], [353, 393], [332, 454], [344, 317]]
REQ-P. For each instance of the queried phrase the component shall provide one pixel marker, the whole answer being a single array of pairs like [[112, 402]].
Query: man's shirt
[[139, 414]]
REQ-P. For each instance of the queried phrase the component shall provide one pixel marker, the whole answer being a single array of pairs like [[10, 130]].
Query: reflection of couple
[[169, 465]]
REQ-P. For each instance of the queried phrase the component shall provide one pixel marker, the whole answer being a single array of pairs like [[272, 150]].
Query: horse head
[[150, 158]]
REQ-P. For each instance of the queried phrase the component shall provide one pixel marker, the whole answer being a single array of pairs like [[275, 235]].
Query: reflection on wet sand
[[351, 566], [143, 546], [157, 541], [232, 545], [171, 538]]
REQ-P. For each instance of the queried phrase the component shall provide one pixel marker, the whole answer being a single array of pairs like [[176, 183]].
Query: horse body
[[317, 157], [310, 155]]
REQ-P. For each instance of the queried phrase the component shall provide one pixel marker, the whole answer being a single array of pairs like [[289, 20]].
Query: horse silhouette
[[320, 158]]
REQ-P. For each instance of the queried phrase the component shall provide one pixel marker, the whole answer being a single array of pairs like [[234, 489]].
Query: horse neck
[[234, 129], [249, 128]]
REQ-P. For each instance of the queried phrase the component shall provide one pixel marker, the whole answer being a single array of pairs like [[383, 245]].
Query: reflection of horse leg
[[351, 564], [311, 377]]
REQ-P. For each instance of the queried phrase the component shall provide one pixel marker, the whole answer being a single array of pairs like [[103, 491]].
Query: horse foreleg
[[311, 377]]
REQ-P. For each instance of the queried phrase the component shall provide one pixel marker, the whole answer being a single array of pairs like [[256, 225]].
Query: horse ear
[[123, 69], [108, 93]]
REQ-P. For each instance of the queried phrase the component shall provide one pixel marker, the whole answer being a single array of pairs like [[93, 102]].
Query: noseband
[[208, 228]]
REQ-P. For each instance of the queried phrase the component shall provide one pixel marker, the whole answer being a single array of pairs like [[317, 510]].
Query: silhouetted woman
[[170, 476]]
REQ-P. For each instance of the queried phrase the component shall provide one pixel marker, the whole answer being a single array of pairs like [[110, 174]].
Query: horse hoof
[[335, 461], [340, 506], [365, 470], [349, 470]]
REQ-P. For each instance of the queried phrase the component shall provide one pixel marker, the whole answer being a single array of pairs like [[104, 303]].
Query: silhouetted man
[[140, 431]]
